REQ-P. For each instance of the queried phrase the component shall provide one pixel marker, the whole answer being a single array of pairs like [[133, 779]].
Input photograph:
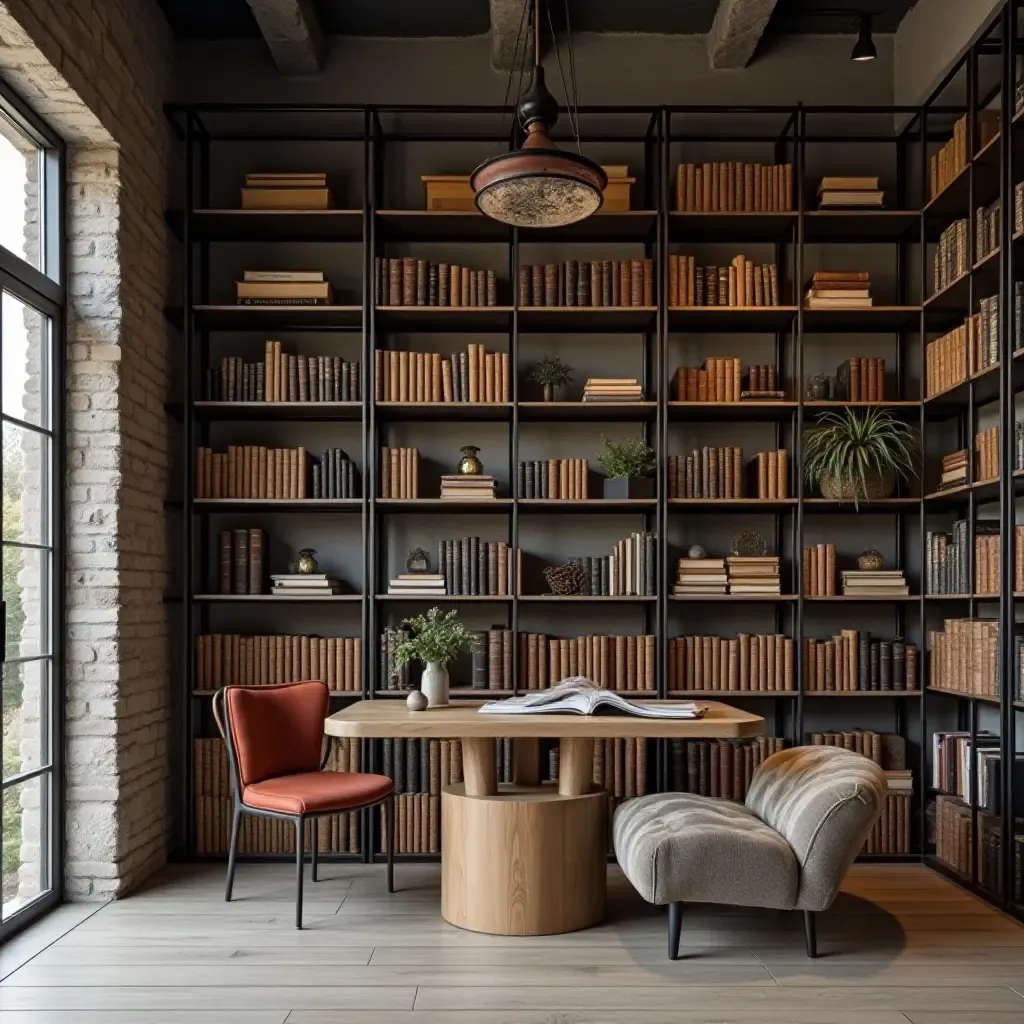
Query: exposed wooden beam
[[292, 32], [737, 29]]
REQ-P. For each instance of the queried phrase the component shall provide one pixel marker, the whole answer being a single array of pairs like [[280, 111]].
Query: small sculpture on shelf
[[818, 388], [565, 580], [628, 467], [870, 561], [418, 561], [550, 372], [416, 701], [749, 544], [306, 564], [696, 551], [470, 464]]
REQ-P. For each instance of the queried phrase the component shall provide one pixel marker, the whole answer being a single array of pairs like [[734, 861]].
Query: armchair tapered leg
[[810, 933], [299, 858], [315, 840], [675, 927], [389, 811], [231, 854]]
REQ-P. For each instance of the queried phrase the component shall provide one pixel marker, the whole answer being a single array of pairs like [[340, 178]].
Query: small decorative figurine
[[469, 464], [416, 701], [306, 563], [696, 552], [418, 561], [749, 544], [817, 389], [870, 561]]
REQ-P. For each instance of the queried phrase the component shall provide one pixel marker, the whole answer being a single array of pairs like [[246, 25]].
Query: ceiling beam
[[737, 29], [293, 34], [507, 29]]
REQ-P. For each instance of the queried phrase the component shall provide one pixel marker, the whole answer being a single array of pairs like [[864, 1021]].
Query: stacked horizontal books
[[946, 361], [700, 577], [286, 191], [964, 655], [283, 288], [952, 256], [732, 186], [335, 475], [853, 192], [418, 584], [954, 469], [613, 389], [282, 377], [563, 479], [400, 473], [742, 283], [839, 289], [241, 561], [213, 807], [598, 283], [819, 567], [763, 662], [707, 473], [851, 661], [312, 584], [772, 474], [753, 574], [251, 471], [986, 230], [720, 380], [629, 571], [951, 159], [231, 658], [946, 561], [861, 379], [412, 282], [475, 375], [473, 567], [986, 454], [874, 583], [614, 662], [468, 486], [719, 768]]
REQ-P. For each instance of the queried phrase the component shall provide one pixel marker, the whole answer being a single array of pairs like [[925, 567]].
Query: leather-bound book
[[432, 284], [225, 562], [409, 281], [595, 282], [492, 288], [550, 284], [583, 284], [571, 274], [537, 284], [606, 282], [636, 282], [421, 282], [257, 564], [648, 282], [454, 284], [240, 561], [879, 380], [472, 277], [466, 275]]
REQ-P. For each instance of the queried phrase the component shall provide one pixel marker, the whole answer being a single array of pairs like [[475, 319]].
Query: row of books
[[631, 570], [241, 561], [966, 350], [852, 661], [283, 288], [737, 574], [407, 281], [468, 487], [874, 583], [861, 379], [613, 389], [233, 658], [400, 473], [283, 378], [887, 749], [986, 230], [286, 191], [252, 471], [986, 454], [475, 375], [772, 474], [741, 283], [946, 561], [471, 566], [721, 380], [335, 476], [892, 833], [308, 584], [952, 256], [719, 768], [710, 472], [839, 289], [563, 479], [950, 159], [583, 283], [954, 846], [762, 662], [964, 655], [956, 757], [734, 186], [854, 191], [614, 662], [819, 570]]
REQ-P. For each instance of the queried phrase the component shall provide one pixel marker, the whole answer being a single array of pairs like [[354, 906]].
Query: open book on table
[[579, 696]]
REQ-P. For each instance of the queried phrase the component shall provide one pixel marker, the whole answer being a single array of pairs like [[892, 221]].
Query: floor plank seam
[[59, 938]]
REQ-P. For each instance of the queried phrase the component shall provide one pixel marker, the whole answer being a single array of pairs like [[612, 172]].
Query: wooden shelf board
[[862, 693], [434, 411], [236, 225], [279, 504], [449, 505], [866, 599], [540, 412], [986, 389], [296, 318], [954, 296], [275, 599], [278, 410], [448, 598], [585, 599], [738, 598], [571, 505], [882, 505], [965, 696], [738, 504], [893, 403], [984, 490]]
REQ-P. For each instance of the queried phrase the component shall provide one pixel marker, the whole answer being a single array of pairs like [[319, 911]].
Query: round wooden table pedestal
[[523, 861]]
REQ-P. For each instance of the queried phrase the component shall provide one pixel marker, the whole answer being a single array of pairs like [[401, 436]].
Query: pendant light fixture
[[539, 185], [864, 48]]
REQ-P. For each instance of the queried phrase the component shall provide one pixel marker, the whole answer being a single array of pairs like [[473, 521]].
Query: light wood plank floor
[[901, 944]]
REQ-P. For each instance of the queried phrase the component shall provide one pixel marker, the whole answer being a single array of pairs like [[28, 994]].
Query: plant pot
[[549, 392], [434, 684], [622, 487], [878, 485]]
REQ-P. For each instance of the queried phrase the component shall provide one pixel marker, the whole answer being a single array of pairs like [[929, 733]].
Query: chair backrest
[[272, 730], [824, 801]]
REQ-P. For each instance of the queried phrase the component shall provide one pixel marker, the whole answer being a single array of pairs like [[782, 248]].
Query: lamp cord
[[570, 100], [512, 71]]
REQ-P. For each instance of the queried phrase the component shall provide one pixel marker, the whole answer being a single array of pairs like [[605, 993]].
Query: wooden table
[[525, 858]]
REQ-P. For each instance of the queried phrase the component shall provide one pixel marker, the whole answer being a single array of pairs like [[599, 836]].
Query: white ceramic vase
[[434, 684]]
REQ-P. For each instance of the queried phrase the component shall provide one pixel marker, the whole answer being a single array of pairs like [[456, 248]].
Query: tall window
[[31, 340]]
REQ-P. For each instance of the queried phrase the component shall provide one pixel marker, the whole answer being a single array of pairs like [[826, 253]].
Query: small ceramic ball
[[416, 701], [870, 561], [696, 552]]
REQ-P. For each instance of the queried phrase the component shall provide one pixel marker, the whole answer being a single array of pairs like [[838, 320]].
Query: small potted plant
[[437, 638], [551, 373], [858, 456], [628, 467]]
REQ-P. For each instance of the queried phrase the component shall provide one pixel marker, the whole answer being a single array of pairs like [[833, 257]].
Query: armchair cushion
[[316, 792]]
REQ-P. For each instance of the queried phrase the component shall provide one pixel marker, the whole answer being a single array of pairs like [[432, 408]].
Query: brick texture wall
[[99, 71]]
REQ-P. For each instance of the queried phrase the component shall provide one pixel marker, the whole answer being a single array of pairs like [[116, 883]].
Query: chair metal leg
[[231, 854], [315, 840], [675, 927], [389, 811], [299, 858], [810, 933]]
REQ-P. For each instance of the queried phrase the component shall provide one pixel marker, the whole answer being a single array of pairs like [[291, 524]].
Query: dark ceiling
[[225, 19]]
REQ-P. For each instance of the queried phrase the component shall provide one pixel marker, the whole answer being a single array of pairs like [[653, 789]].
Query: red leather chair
[[274, 736]]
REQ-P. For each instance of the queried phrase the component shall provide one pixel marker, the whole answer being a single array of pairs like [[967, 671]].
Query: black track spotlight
[[864, 48]]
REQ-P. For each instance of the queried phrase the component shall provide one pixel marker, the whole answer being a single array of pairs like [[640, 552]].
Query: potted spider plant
[[859, 455], [551, 373], [628, 467], [437, 638]]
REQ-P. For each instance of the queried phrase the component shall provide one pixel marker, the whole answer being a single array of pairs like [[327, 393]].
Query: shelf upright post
[[922, 657], [513, 477], [662, 572], [798, 438]]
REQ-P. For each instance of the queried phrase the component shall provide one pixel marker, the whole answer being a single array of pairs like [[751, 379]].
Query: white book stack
[[849, 192], [418, 584], [874, 583], [315, 584]]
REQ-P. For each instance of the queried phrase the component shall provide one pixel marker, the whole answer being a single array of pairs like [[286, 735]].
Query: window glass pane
[[23, 570], [25, 366], [26, 696], [25, 470], [21, 193], [25, 842]]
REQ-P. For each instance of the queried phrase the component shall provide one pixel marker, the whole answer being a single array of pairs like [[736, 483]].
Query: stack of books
[[613, 389], [313, 584], [954, 469], [754, 574], [849, 192], [277, 191], [468, 486], [418, 584], [700, 577], [839, 289], [283, 288], [874, 583]]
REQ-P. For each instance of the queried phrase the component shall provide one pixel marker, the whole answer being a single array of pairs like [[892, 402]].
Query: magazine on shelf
[[579, 696]]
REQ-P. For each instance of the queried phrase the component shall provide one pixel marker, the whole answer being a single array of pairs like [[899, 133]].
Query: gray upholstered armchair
[[807, 815]]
